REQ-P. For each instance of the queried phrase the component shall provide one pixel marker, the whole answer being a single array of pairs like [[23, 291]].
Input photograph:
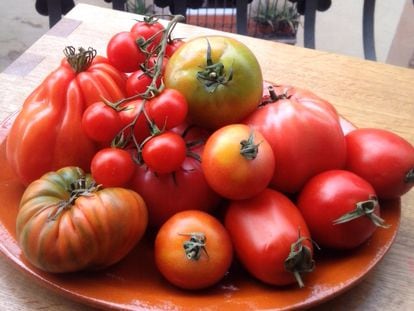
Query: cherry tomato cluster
[[229, 166]]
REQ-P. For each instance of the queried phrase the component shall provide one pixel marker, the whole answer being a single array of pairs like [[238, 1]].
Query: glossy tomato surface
[[193, 250], [305, 134], [220, 78], [263, 230], [331, 195], [383, 158], [66, 224], [238, 162]]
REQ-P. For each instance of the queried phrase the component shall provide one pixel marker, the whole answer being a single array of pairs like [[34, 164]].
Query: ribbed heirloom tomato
[[47, 133], [220, 78], [66, 223]]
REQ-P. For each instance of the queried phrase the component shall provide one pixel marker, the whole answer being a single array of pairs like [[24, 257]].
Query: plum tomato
[[383, 158]]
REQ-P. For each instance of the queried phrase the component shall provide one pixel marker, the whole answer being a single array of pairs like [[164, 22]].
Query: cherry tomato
[[149, 30], [112, 167], [181, 190], [123, 52], [270, 238], [340, 208], [193, 250], [134, 120], [137, 83], [101, 122], [168, 109], [383, 158], [172, 46], [238, 162], [164, 153]]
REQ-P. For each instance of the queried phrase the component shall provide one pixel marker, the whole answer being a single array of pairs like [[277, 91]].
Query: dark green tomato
[[220, 78]]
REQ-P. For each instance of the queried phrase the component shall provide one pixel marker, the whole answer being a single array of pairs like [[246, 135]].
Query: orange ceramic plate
[[135, 283]]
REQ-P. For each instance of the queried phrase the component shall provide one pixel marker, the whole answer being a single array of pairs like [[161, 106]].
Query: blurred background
[[338, 26]]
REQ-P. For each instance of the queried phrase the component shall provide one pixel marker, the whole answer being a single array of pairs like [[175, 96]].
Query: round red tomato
[[383, 158], [101, 122], [237, 162], [112, 167], [305, 135], [184, 189], [66, 223], [137, 83], [173, 46], [340, 208], [164, 153], [193, 250], [270, 238], [168, 109], [150, 30], [220, 78], [124, 53]]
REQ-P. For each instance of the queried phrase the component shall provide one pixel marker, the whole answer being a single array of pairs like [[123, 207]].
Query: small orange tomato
[[193, 250], [238, 162]]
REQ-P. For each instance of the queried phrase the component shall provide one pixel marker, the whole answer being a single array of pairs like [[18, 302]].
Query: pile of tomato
[[185, 139]]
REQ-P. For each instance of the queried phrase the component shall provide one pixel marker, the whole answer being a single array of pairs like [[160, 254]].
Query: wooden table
[[370, 94]]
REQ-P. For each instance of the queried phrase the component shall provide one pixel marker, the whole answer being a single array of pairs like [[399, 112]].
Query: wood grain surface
[[370, 94]]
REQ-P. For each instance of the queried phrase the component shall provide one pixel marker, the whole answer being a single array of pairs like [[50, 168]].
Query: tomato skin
[[173, 46], [149, 30], [262, 230], [230, 102], [181, 190], [101, 123], [47, 133], [383, 158], [169, 109], [124, 53], [305, 135], [328, 196], [112, 167], [137, 83], [170, 256], [95, 231], [231, 174], [164, 153]]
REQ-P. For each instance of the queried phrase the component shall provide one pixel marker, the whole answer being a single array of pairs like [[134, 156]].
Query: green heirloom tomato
[[220, 78]]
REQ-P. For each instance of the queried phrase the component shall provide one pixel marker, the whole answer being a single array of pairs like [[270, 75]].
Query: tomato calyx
[[81, 187], [272, 97], [363, 208], [409, 177], [248, 149], [195, 246], [214, 74], [300, 259], [79, 61]]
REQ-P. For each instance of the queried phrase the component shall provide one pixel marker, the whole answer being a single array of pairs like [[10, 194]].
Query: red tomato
[[137, 83], [112, 167], [193, 250], [238, 162], [134, 120], [66, 223], [168, 109], [47, 134], [123, 52], [101, 122], [152, 31], [270, 238], [335, 196], [164, 153], [172, 46], [181, 190], [305, 135], [383, 158]]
